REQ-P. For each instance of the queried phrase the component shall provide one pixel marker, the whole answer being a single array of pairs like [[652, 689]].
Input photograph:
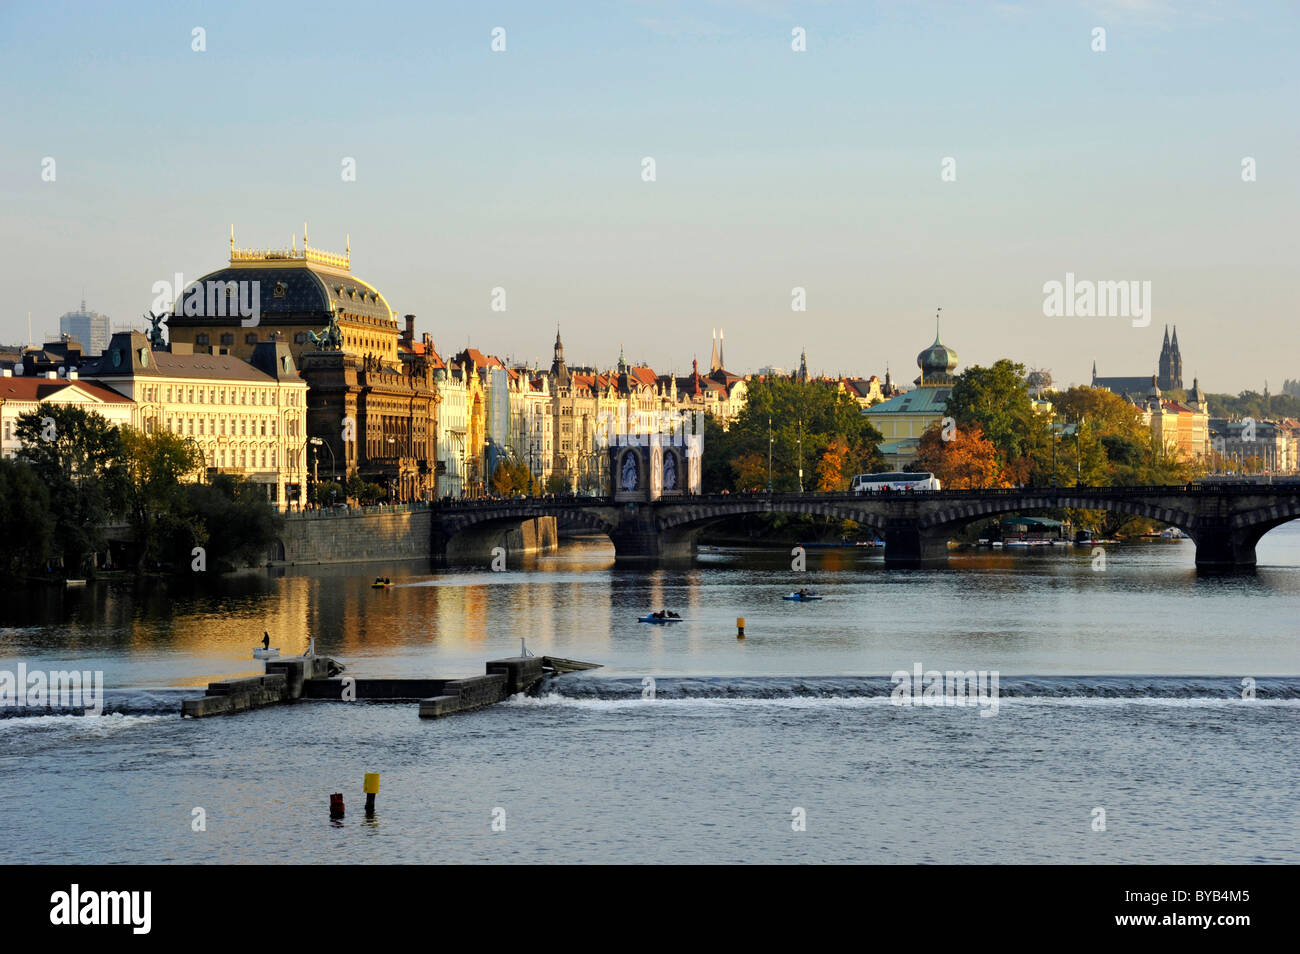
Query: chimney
[[410, 330]]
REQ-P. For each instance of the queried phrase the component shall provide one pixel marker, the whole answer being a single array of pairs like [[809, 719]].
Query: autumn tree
[[967, 460]]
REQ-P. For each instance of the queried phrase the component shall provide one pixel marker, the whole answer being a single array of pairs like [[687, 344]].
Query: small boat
[[801, 597], [75, 582], [266, 653], [652, 618], [381, 584]]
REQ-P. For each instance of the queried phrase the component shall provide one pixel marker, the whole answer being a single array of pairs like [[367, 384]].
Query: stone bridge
[[1224, 520]]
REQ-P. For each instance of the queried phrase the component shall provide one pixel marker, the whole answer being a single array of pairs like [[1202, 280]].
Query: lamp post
[[801, 455], [394, 481], [190, 440], [769, 455], [1078, 453], [317, 443]]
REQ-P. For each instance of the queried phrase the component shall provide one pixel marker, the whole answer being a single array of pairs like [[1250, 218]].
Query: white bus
[[874, 483]]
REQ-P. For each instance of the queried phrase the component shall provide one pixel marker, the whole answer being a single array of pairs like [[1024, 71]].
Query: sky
[[774, 169]]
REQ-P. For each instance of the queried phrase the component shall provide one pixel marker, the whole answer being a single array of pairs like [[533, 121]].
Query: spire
[[937, 313], [803, 365], [1174, 343], [713, 359], [1094, 370], [722, 361]]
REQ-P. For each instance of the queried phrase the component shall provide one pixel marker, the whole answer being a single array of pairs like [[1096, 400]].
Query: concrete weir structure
[[316, 677]]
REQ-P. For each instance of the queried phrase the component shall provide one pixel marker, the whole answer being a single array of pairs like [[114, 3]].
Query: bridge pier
[[1220, 550], [637, 540], [907, 545]]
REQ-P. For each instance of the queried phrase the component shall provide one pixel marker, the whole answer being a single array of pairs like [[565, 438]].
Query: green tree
[[997, 399], [78, 456], [808, 419], [156, 466], [26, 518], [231, 519]]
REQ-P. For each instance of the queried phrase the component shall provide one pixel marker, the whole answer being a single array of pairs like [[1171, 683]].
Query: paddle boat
[[802, 596], [666, 616], [381, 583]]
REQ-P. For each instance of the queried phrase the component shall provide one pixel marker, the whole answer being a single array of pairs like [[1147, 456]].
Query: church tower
[[558, 369], [1171, 363]]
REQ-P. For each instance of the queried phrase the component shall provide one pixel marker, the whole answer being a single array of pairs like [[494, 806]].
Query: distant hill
[[1252, 404]]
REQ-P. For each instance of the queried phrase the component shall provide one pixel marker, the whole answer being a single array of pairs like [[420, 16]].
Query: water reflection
[[1036, 611]]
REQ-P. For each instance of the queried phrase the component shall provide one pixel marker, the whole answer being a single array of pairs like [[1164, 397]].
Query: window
[[250, 338], [201, 338], [264, 428], [227, 339], [272, 428], [191, 426], [223, 431], [300, 338], [189, 396]]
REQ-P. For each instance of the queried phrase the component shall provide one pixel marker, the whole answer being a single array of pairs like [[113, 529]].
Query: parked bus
[[874, 483]]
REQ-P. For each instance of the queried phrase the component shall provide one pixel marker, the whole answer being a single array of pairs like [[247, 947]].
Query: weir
[[318, 678]]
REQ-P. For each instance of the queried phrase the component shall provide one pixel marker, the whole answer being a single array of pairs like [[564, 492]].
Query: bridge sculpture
[[1224, 520]]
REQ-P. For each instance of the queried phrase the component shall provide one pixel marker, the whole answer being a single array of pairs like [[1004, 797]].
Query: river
[[1121, 690]]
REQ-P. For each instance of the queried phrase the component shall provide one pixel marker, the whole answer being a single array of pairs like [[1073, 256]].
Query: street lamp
[[769, 455], [801, 455], [393, 481], [190, 440]]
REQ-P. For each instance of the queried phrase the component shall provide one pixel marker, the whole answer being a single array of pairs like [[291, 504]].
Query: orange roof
[[42, 389]]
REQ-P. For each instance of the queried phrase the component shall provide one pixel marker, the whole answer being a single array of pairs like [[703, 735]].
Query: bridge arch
[[961, 514]]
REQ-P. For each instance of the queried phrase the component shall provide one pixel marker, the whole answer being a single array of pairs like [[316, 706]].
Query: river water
[[1120, 699]]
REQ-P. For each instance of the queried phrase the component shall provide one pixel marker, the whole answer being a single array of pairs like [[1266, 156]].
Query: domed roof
[[1039, 379], [937, 359]]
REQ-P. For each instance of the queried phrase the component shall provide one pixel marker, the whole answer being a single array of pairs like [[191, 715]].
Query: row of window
[[216, 426], [265, 397]]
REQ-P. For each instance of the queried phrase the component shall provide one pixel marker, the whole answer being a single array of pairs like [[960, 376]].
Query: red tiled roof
[[42, 389]]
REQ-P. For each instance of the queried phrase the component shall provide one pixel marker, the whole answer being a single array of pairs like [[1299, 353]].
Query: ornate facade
[[372, 405]]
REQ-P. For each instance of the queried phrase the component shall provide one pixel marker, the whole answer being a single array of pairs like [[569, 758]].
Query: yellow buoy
[[740, 627], [372, 783]]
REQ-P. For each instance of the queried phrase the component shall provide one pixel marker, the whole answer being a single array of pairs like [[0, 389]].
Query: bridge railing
[[567, 501]]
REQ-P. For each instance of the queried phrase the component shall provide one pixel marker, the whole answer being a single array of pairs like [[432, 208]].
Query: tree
[[26, 518], [512, 477], [77, 455], [831, 466], [997, 399], [156, 465], [967, 461], [750, 471], [232, 519], [802, 415]]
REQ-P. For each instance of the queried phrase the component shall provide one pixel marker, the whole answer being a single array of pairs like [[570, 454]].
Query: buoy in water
[[336, 805], [371, 787], [740, 627]]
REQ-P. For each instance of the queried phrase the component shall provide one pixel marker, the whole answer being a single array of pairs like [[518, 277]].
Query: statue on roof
[[156, 339], [330, 338]]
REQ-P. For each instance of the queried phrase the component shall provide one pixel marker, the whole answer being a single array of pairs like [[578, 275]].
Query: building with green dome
[[903, 418]]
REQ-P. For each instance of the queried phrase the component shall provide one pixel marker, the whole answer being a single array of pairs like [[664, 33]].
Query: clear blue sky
[[775, 169]]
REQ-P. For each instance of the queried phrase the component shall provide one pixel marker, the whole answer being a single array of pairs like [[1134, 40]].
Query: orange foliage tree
[[967, 461], [832, 464]]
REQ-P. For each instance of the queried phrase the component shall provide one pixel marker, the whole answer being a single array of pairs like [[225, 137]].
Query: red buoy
[[336, 805]]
